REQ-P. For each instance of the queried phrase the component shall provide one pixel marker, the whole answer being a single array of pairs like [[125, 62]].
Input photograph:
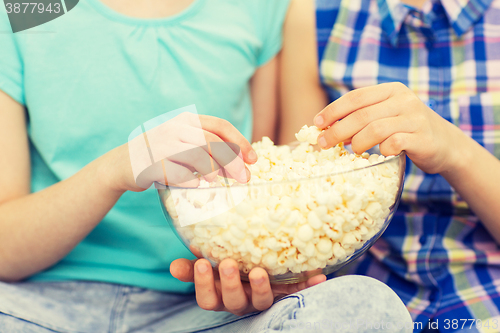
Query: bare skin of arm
[[301, 94], [38, 229], [433, 144], [477, 182], [264, 92], [373, 115]]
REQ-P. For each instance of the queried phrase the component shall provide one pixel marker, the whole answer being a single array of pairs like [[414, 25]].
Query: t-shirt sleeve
[[270, 18], [11, 68]]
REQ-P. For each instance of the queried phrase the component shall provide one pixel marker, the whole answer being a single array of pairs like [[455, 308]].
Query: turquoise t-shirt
[[91, 76]]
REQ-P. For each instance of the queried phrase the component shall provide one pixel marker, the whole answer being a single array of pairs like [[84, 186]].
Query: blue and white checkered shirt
[[435, 254]]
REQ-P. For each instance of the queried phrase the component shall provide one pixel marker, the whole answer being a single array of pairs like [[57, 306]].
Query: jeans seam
[[116, 316], [300, 303], [201, 328], [41, 323]]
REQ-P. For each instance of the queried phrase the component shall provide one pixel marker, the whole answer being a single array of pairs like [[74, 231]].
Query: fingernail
[[249, 174], [322, 142], [258, 281], [202, 268], [319, 120], [252, 156], [228, 271], [244, 175]]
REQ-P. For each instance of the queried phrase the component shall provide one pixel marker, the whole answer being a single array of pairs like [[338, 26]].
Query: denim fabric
[[42, 307]]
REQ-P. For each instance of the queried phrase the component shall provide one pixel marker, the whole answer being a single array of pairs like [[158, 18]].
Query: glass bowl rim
[[388, 159]]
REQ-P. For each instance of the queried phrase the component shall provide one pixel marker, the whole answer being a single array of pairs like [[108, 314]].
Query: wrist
[[114, 171], [461, 155]]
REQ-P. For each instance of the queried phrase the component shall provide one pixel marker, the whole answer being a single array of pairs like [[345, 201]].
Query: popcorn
[[305, 233], [374, 209], [270, 260], [301, 210], [314, 220], [308, 134], [310, 250], [324, 246]]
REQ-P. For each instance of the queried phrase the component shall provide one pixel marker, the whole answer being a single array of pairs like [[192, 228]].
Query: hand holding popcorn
[[391, 115], [308, 134], [168, 150]]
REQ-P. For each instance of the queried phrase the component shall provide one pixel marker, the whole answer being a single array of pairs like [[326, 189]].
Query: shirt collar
[[464, 13], [461, 14]]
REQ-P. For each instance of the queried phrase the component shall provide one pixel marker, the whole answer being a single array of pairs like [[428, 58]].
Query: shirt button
[[431, 104], [423, 239]]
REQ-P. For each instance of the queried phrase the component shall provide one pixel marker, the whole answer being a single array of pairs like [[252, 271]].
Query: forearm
[[264, 86], [39, 229], [299, 111], [476, 178], [301, 94]]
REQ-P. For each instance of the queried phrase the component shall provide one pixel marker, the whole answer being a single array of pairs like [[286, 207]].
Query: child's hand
[[391, 115], [224, 291], [170, 153]]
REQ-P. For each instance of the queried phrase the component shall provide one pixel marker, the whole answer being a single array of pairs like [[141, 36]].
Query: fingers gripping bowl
[[304, 212]]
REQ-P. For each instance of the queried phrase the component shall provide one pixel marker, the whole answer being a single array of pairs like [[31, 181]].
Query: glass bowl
[[294, 229]]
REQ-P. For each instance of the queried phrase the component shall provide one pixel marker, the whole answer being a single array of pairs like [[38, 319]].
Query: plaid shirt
[[435, 254]]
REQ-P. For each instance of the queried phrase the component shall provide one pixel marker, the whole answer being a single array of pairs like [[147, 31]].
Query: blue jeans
[[346, 304]]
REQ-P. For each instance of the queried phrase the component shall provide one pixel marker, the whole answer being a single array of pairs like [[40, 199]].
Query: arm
[[264, 90], [477, 183], [301, 94], [373, 115], [39, 229]]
